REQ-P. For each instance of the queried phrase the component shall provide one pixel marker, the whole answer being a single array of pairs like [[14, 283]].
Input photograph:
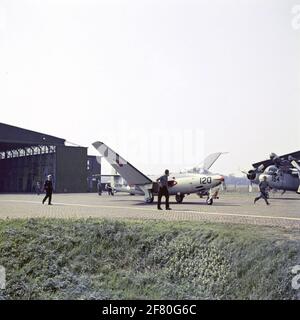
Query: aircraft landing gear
[[209, 201], [150, 199], [210, 197], [179, 198]]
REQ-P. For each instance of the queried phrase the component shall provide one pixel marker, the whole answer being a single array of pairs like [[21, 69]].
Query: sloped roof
[[12, 137]]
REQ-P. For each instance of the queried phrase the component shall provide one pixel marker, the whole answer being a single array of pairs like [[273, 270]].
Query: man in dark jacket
[[48, 187], [263, 186], [163, 190], [99, 187]]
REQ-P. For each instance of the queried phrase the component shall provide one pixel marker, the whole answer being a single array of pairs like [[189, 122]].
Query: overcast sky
[[162, 82]]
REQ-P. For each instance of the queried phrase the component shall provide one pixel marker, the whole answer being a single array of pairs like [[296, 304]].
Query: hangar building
[[27, 157]]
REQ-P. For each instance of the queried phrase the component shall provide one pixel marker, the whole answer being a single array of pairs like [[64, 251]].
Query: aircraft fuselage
[[281, 181], [193, 183]]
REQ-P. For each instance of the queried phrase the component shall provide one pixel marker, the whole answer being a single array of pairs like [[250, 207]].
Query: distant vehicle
[[282, 172], [124, 187], [180, 185]]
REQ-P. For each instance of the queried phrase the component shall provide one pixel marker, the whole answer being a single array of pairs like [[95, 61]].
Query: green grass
[[103, 259]]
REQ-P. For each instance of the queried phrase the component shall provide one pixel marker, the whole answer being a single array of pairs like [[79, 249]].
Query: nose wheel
[[209, 201], [150, 199]]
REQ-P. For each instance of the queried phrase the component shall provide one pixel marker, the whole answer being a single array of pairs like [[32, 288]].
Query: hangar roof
[[12, 137]]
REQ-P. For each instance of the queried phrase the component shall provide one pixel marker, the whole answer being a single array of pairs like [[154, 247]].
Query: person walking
[[48, 187], [263, 186], [163, 190]]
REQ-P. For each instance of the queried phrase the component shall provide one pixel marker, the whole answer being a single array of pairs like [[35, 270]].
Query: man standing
[[263, 190], [48, 187], [163, 190], [38, 188], [99, 187]]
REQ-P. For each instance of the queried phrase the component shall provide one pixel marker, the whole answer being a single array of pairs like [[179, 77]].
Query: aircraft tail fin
[[206, 164], [210, 160], [127, 171]]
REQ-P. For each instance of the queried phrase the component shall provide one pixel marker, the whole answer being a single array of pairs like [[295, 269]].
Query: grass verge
[[104, 259]]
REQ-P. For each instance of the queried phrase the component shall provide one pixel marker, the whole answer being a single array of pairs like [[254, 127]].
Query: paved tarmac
[[232, 207]]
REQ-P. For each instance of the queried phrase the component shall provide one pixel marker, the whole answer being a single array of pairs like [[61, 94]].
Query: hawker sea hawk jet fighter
[[282, 173], [180, 185]]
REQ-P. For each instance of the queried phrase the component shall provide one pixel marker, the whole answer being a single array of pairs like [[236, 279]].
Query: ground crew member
[[163, 190], [99, 188], [263, 190], [48, 187], [110, 190], [38, 188]]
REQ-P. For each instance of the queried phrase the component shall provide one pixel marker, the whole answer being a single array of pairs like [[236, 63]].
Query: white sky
[[226, 73]]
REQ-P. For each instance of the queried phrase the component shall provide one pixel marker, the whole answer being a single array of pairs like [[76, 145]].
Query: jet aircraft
[[180, 185]]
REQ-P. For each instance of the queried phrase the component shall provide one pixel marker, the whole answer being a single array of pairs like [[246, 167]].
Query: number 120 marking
[[205, 180]]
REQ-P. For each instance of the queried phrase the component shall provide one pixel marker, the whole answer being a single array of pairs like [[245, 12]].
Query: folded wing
[[284, 158], [127, 171]]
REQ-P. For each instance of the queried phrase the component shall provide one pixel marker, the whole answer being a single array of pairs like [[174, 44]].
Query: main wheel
[[179, 198], [209, 201], [150, 200]]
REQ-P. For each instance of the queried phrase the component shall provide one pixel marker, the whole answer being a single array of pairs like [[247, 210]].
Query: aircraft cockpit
[[271, 170]]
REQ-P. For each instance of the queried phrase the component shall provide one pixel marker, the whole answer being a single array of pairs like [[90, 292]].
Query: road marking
[[154, 209]]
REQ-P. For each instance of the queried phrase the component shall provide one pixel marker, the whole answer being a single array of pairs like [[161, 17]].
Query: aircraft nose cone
[[220, 178]]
